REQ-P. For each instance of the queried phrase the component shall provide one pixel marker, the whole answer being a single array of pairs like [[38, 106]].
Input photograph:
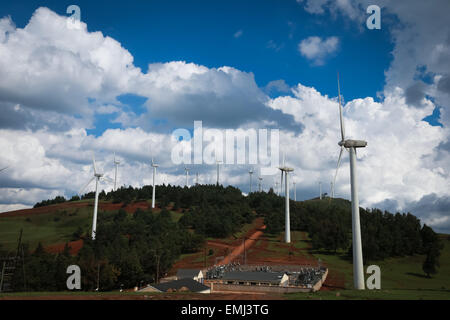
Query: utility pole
[[98, 276], [205, 259], [245, 253]]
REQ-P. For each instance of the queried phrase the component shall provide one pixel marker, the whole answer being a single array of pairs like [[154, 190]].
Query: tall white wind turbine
[[282, 173], [97, 177], [331, 190], [116, 164], [351, 146], [187, 176], [154, 166], [285, 170], [217, 163], [295, 191], [250, 173], [320, 190]]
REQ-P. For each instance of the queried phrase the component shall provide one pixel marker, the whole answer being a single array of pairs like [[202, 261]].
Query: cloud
[[274, 46], [184, 92], [238, 34], [394, 165], [316, 49], [415, 93], [277, 86], [49, 67]]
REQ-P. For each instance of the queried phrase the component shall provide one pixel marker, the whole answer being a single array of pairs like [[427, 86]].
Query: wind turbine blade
[[93, 162], [108, 179], [337, 167], [341, 118], [82, 189]]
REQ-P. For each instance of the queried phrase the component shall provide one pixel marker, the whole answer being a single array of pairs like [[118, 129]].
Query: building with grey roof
[[195, 274], [255, 278], [182, 285]]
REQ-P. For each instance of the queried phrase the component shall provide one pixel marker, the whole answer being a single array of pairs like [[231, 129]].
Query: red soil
[[74, 246], [105, 206], [46, 209], [239, 250]]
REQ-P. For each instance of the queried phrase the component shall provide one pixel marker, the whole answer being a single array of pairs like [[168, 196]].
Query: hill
[[206, 223]]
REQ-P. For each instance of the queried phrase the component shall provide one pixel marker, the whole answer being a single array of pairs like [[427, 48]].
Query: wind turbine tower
[[250, 173], [282, 173], [187, 176], [217, 163], [154, 166], [295, 191], [331, 190], [260, 185], [285, 170], [320, 190], [116, 164], [351, 146], [97, 177]]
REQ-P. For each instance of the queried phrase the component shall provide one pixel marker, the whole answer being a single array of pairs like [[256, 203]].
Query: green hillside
[[320, 229]]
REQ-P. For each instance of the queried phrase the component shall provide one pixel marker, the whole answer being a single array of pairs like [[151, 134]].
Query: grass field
[[48, 228], [401, 278], [52, 227]]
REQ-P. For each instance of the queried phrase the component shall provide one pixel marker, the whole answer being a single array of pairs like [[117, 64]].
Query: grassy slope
[[401, 278], [56, 226], [48, 228]]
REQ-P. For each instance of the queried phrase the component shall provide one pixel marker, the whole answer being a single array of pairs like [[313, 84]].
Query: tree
[[432, 247]]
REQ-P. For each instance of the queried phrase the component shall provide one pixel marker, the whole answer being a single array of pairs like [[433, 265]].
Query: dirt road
[[240, 249]]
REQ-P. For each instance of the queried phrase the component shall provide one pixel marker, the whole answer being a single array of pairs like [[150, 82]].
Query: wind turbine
[[320, 190], [154, 166], [97, 177], [295, 191], [282, 173], [331, 190], [351, 146], [116, 164], [250, 173], [218, 162], [285, 170], [186, 169]]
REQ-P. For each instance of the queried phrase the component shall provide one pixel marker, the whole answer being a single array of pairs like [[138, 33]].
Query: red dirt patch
[[335, 280], [46, 209], [74, 246]]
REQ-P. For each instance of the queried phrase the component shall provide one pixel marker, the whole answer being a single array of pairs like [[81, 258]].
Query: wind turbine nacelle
[[353, 143]]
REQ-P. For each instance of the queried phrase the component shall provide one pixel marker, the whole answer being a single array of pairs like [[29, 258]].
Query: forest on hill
[[136, 249]]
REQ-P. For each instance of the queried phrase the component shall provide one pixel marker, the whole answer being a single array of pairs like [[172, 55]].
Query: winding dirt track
[[240, 249]]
